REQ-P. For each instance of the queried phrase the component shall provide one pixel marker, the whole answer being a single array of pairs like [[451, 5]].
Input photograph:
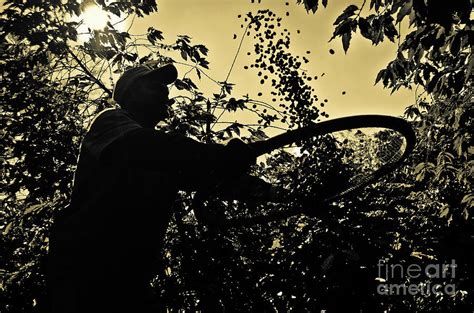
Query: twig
[[86, 70], [237, 53]]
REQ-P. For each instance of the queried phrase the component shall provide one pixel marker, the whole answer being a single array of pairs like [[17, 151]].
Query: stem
[[220, 115], [86, 70], [208, 123], [360, 10], [238, 50], [201, 70], [399, 33]]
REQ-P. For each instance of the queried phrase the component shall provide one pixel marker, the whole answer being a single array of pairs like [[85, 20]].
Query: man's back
[[104, 244]]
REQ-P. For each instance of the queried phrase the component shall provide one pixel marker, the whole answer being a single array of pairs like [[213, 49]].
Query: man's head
[[143, 92]]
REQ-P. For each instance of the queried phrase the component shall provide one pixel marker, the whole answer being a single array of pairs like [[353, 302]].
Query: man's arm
[[250, 188], [189, 164]]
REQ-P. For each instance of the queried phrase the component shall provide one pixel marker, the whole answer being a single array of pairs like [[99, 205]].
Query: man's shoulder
[[108, 126], [113, 121], [114, 116]]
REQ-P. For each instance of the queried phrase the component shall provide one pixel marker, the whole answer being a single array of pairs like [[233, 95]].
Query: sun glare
[[95, 18]]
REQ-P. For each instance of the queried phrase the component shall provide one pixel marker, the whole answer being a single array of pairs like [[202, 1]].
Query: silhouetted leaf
[[389, 29], [456, 44], [404, 11], [346, 39], [364, 28], [380, 74], [153, 35], [349, 11]]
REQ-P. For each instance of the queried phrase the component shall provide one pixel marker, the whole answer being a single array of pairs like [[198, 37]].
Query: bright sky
[[214, 22]]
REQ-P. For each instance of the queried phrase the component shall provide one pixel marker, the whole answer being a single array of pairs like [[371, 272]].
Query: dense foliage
[[53, 84]]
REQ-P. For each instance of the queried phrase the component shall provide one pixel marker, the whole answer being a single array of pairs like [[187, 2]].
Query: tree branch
[[88, 72]]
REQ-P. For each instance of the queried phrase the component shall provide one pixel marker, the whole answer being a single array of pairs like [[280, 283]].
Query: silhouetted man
[[105, 243]]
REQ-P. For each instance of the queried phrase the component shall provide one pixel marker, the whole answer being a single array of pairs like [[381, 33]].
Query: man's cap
[[165, 75]]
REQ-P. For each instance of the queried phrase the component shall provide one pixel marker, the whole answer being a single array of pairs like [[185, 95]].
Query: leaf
[[364, 27], [203, 49], [311, 5], [412, 111], [130, 57], [468, 199], [458, 145], [32, 209], [190, 83], [376, 4], [380, 74], [444, 211], [144, 59], [465, 213], [346, 39], [422, 168], [421, 255], [389, 29], [227, 87], [117, 59], [419, 168], [344, 27], [181, 85], [258, 134], [113, 10], [405, 10], [349, 11], [431, 85], [445, 157], [7, 228], [217, 97], [456, 44], [237, 129], [153, 35]]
